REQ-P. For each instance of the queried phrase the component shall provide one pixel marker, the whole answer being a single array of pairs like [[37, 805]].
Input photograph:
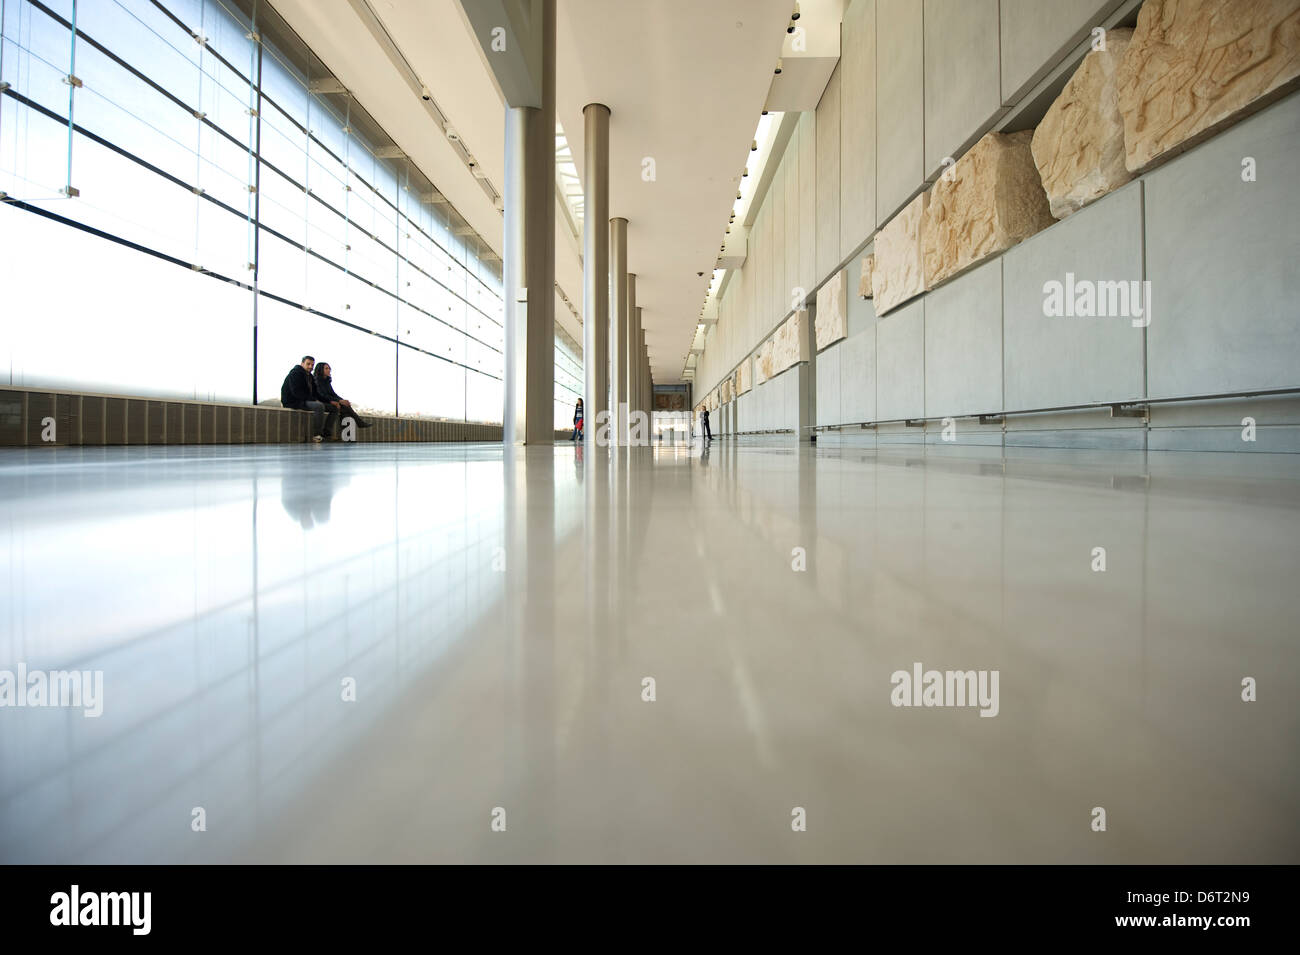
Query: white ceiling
[[685, 83]]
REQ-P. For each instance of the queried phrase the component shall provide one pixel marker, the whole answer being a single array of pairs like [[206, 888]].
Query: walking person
[[299, 392], [324, 384], [577, 421]]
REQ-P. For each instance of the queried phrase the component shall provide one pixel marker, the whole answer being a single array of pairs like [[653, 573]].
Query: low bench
[[31, 417]]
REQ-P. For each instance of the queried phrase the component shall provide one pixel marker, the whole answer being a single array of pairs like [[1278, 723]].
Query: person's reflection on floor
[[306, 492], [704, 452], [577, 458]]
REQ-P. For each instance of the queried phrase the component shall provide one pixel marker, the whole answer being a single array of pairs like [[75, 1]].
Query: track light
[[795, 15], [753, 147], [778, 66]]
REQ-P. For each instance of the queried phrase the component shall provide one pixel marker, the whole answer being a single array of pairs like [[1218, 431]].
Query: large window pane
[[33, 153], [190, 336], [361, 364], [483, 398], [177, 102], [430, 387]]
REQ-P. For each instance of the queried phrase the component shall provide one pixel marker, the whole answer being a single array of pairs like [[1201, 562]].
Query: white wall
[[919, 80]]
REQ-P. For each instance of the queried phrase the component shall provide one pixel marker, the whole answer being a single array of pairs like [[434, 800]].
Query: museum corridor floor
[[429, 653]]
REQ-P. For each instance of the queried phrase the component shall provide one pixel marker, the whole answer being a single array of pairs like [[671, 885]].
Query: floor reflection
[[364, 652], [306, 496]]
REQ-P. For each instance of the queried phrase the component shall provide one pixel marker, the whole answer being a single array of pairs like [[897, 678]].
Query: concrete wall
[[1034, 34], [1223, 258], [774, 405], [828, 177], [900, 105], [988, 346], [857, 101], [867, 148], [962, 82], [920, 80]]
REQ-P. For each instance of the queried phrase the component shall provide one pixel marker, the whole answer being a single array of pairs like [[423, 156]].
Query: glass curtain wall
[[568, 378], [191, 203]]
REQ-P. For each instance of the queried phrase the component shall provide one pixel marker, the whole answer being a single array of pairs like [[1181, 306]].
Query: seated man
[[324, 384], [299, 392]]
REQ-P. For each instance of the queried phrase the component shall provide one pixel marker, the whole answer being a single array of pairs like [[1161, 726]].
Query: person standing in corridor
[[704, 423]]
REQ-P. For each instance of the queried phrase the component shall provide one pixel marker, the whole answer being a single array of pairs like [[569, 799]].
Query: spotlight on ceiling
[[795, 15], [778, 66]]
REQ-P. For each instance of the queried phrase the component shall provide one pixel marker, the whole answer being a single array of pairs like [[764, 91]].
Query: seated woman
[[325, 391]]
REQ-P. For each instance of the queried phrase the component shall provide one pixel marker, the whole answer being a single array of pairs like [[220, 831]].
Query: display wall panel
[[900, 109], [1054, 361], [962, 81], [749, 302], [1222, 255], [793, 217], [807, 132], [766, 279], [1036, 33], [860, 312], [828, 385], [900, 363], [963, 344], [776, 199], [794, 379], [857, 125], [858, 377], [828, 177]]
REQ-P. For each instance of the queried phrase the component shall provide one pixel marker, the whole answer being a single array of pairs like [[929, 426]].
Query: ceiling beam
[[509, 33]]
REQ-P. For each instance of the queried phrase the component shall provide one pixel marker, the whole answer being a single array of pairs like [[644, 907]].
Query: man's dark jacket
[[297, 389]]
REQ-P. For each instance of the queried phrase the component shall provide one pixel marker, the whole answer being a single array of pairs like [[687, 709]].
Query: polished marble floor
[[393, 653]]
